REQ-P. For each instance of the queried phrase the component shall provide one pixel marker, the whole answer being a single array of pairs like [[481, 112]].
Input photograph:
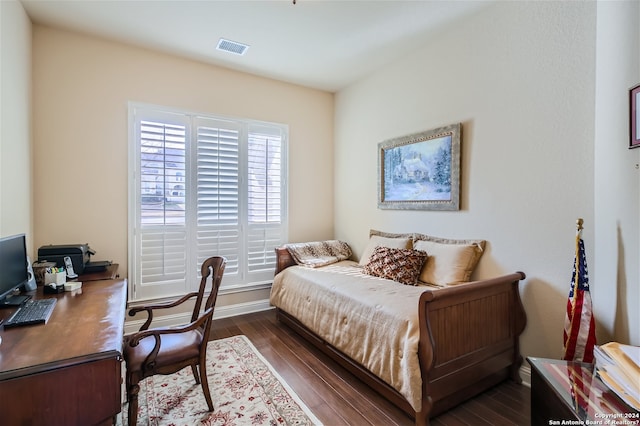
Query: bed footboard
[[469, 340]]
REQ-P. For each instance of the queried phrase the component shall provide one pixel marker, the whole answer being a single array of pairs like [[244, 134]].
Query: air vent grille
[[232, 46]]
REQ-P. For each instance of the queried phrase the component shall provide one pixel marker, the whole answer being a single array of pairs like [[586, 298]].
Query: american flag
[[579, 324]]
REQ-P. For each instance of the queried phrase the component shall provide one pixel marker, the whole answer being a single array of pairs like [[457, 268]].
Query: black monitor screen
[[13, 264]]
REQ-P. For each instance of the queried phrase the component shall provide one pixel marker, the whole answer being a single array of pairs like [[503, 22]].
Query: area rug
[[245, 389]]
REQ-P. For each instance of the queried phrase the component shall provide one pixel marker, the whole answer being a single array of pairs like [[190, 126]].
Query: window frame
[[246, 280]]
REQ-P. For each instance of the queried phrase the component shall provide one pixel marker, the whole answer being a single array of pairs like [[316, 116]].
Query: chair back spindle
[[214, 267]]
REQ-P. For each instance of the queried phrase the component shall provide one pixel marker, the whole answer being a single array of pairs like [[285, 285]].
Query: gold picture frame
[[421, 171]]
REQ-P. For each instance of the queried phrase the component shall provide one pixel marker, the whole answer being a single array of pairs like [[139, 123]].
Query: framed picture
[[634, 117], [421, 171]]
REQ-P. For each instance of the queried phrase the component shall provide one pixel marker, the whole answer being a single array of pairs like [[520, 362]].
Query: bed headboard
[[283, 259]]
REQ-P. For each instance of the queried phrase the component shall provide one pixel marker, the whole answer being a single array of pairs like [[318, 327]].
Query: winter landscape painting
[[421, 171]]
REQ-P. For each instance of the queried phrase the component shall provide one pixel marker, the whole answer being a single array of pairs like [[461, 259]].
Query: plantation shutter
[[203, 186], [162, 231], [218, 194], [265, 182]]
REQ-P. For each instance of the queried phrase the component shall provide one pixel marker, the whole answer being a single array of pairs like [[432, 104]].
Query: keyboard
[[32, 312]]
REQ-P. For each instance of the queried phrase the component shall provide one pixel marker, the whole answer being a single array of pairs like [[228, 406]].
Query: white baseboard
[[242, 308], [184, 318], [525, 374]]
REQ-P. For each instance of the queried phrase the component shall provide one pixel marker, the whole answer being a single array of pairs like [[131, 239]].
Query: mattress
[[372, 320]]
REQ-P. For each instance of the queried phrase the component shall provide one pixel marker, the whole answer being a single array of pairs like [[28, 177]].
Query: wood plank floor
[[338, 398]]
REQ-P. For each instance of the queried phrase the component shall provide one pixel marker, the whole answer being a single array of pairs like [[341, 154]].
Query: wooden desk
[[567, 392], [68, 371]]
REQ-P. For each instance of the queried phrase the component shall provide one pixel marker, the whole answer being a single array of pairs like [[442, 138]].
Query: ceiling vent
[[232, 46]]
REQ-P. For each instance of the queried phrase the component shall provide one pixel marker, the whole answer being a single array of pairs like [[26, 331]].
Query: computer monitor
[[13, 269]]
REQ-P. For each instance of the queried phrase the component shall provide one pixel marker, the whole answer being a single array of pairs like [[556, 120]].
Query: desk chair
[[169, 350]]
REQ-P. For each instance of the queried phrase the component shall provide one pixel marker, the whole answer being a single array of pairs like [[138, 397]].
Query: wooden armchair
[[169, 350]]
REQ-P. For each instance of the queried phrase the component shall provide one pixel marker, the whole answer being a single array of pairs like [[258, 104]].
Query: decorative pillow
[[319, 253], [450, 261], [401, 265], [378, 240]]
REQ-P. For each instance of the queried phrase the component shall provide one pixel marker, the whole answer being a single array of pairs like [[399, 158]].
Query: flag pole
[[576, 267], [579, 329], [579, 228]]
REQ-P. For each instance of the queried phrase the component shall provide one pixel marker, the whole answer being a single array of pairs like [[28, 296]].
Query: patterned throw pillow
[[401, 265], [319, 253]]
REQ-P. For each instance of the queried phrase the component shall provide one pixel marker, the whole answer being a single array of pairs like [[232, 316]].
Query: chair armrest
[[149, 308], [156, 333], [135, 338]]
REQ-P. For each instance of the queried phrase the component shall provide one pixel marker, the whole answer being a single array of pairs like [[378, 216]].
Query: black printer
[[79, 254]]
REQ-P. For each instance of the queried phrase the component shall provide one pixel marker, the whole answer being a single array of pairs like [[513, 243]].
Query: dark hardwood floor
[[338, 398]]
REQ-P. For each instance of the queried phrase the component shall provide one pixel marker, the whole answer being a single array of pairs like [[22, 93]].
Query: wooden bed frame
[[468, 342]]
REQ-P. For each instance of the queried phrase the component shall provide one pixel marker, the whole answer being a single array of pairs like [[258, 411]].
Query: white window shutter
[[161, 234], [265, 207], [163, 256], [218, 196], [203, 186]]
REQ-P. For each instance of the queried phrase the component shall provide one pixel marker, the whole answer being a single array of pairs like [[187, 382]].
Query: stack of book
[[618, 366]]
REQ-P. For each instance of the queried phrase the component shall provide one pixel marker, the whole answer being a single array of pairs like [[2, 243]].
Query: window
[[202, 186]]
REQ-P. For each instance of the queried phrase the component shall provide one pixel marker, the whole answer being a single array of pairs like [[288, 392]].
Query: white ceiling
[[322, 44]]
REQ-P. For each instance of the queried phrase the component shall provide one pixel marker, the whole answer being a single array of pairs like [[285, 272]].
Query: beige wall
[[15, 118], [521, 77], [617, 177], [81, 89]]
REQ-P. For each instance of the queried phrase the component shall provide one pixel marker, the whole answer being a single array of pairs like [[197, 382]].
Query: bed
[[424, 348]]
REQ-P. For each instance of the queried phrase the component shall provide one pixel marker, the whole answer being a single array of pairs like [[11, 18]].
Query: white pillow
[[450, 262], [377, 240]]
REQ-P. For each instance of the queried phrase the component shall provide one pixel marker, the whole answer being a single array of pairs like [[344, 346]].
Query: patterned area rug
[[245, 390]]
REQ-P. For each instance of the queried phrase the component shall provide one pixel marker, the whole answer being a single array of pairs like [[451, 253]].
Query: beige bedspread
[[372, 320]]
